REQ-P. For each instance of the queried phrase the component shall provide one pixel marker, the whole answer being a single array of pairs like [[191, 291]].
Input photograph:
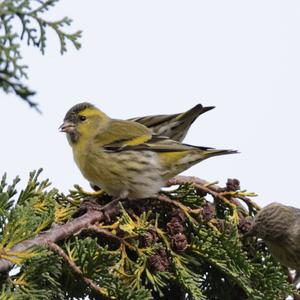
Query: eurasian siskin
[[279, 227], [124, 157]]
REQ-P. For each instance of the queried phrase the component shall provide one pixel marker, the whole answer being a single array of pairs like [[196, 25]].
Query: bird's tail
[[210, 152], [184, 158], [205, 153]]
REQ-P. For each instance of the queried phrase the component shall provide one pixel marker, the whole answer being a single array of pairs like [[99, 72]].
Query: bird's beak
[[67, 127]]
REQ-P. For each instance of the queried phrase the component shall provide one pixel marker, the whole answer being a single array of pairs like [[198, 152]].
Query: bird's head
[[83, 120], [273, 222]]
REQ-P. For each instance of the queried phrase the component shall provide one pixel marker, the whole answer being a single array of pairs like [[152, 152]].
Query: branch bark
[[61, 232]]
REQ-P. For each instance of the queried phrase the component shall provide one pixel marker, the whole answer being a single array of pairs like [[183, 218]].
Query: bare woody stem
[[166, 199], [102, 231], [61, 232]]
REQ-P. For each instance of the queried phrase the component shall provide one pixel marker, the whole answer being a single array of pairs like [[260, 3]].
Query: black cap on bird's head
[[76, 109]]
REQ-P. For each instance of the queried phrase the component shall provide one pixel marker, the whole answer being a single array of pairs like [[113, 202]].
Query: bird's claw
[[95, 194]]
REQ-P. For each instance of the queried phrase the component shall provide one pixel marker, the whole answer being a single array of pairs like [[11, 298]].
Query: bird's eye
[[82, 118]]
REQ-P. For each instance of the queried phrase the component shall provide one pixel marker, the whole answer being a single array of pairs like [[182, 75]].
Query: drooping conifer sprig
[[29, 14], [187, 243]]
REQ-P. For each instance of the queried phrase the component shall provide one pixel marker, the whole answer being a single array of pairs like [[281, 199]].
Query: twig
[[61, 232], [76, 270], [210, 188], [205, 186], [103, 231], [166, 199]]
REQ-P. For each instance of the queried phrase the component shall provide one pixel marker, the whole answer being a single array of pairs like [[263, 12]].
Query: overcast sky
[[164, 56]]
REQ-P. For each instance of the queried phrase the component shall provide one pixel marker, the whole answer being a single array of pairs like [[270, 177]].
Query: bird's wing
[[120, 133], [123, 135], [154, 120], [174, 126], [155, 143]]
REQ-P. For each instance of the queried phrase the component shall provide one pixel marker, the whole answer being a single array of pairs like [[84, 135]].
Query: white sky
[[164, 56]]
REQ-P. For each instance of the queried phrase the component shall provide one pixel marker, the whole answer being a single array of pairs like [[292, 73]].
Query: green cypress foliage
[[183, 244], [28, 16]]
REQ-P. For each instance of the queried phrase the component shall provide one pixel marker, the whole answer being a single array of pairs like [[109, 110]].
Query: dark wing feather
[[175, 126], [156, 144]]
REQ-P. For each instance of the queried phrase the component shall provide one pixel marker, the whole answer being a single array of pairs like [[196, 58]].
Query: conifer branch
[[93, 215], [145, 249], [101, 231], [30, 16], [164, 198], [76, 270], [61, 232], [214, 190]]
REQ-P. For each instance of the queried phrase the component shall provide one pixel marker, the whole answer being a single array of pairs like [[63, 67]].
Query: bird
[[278, 226], [174, 126], [125, 158]]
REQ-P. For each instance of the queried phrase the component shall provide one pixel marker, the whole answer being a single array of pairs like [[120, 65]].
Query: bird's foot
[[96, 194], [95, 187]]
